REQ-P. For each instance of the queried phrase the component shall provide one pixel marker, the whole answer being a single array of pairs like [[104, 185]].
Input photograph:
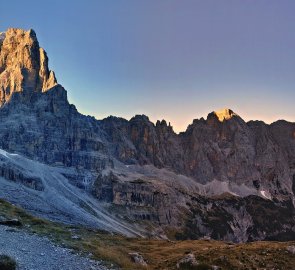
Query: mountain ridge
[[29, 38]]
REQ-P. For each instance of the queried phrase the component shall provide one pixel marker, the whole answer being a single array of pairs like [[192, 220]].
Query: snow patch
[[2, 36], [265, 194]]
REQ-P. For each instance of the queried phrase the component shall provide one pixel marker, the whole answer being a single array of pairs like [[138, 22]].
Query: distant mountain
[[222, 177]]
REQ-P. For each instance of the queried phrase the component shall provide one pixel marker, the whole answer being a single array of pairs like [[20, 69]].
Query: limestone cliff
[[23, 65], [253, 154]]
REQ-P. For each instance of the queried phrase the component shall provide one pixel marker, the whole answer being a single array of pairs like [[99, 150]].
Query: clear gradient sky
[[176, 60]]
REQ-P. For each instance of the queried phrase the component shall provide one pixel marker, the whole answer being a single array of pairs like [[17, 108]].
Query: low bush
[[7, 263]]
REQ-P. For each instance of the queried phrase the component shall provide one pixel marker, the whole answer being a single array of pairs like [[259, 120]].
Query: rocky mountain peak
[[140, 118], [224, 114], [23, 64]]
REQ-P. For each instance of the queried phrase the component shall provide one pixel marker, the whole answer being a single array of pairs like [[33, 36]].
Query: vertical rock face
[[139, 141], [23, 65]]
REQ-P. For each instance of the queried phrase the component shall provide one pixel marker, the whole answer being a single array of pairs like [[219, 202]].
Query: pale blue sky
[[169, 59]]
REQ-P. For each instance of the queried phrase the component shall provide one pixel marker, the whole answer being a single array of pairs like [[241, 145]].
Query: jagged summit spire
[[23, 64]]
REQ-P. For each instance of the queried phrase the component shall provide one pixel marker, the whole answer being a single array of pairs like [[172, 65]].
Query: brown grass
[[160, 254]]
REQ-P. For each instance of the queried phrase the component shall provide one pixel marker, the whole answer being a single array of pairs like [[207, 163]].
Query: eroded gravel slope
[[33, 252]]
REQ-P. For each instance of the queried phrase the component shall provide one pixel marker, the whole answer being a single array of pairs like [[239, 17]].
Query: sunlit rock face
[[23, 65], [224, 114]]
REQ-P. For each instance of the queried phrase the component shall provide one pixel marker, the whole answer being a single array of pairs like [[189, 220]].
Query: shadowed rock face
[[239, 219], [37, 121], [255, 154]]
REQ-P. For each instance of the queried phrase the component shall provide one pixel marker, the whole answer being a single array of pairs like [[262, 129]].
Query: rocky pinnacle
[[23, 64]]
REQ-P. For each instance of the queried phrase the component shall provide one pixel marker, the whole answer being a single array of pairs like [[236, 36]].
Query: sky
[[168, 59]]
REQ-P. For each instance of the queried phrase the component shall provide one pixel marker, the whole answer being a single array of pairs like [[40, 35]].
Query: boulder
[[138, 258]]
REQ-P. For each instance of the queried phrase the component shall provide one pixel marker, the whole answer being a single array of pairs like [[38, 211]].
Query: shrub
[[7, 263], [201, 266]]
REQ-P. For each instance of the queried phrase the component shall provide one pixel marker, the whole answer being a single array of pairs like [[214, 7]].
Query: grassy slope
[[160, 254]]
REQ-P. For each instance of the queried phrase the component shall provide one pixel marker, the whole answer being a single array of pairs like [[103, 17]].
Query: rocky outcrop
[[138, 259], [143, 200], [188, 261]]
